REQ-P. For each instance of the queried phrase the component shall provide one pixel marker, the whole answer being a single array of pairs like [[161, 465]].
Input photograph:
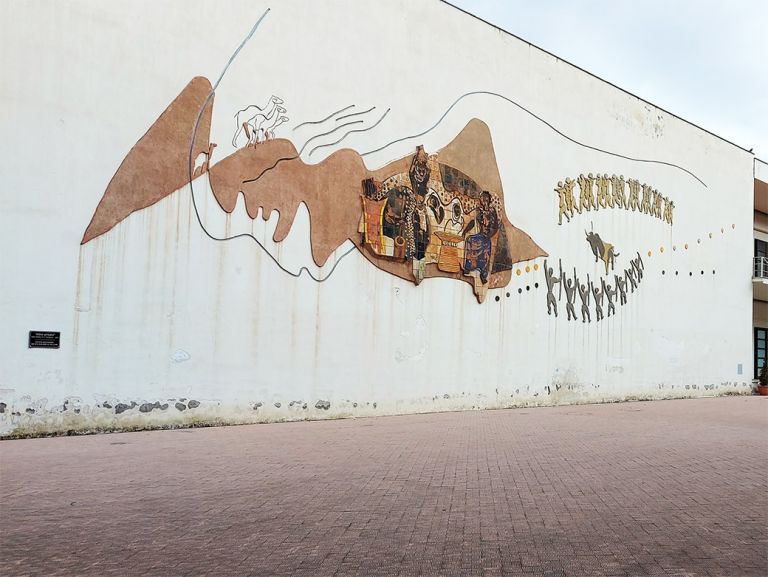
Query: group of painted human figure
[[436, 215], [628, 281], [603, 191]]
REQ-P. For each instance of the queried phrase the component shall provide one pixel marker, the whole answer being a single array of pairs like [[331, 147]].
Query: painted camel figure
[[269, 132], [251, 118]]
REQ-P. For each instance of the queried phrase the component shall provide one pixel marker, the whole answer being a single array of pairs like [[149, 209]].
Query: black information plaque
[[44, 339]]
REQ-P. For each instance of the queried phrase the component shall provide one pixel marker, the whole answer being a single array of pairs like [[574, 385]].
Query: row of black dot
[[689, 274], [536, 285], [519, 291]]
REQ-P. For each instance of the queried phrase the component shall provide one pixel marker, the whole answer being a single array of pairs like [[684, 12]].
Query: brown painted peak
[[272, 176], [158, 163]]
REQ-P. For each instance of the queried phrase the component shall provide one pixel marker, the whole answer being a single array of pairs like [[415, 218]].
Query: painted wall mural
[[602, 250], [603, 191], [426, 215], [199, 294], [158, 163], [429, 214], [423, 216], [441, 221], [255, 124], [599, 292]]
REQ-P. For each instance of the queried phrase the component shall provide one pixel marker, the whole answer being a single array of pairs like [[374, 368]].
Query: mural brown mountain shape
[[331, 190], [158, 163], [271, 176]]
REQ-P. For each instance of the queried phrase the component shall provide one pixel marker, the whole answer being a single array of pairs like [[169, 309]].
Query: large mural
[[422, 216], [431, 213], [428, 214]]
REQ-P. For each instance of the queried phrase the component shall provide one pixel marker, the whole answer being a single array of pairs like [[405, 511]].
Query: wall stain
[[23, 417]]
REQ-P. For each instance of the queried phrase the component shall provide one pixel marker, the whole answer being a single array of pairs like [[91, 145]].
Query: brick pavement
[[632, 489]]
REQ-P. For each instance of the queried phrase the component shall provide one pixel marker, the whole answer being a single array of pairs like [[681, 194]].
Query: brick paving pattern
[[657, 488]]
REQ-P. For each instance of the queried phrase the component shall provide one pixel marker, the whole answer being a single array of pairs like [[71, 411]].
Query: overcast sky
[[703, 60]]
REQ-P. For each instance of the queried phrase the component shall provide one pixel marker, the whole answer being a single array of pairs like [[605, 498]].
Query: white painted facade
[[761, 170], [154, 311]]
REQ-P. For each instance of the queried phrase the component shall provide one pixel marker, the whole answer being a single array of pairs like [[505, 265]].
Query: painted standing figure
[[570, 295], [566, 200], [637, 263], [584, 294], [630, 276], [477, 248], [393, 223], [598, 302], [551, 281], [610, 294], [621, 286], [419, 176]]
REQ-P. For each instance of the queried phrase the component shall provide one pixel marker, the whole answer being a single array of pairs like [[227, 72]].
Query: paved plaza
[[631, 489]]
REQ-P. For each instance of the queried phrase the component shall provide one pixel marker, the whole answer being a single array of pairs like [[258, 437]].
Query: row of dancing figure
[[628, 281]]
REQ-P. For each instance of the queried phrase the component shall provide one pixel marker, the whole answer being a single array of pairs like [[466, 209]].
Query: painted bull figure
[[602, 250]]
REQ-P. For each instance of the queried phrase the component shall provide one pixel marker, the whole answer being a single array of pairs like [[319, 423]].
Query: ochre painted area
[[158, 164], [461, 183], [271, 176], [330, 190]]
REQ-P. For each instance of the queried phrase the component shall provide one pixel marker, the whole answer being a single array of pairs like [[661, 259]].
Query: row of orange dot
[[698, 241], [519, 271]]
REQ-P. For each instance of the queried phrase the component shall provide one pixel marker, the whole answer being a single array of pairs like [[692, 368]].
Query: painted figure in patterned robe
[[477, 248]]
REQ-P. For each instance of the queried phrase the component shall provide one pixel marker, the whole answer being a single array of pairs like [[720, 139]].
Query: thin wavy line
[[279, 160], [339, 127], [521, 107], [263, 172], [355, 113], [351, 132], [192, 190], [331, 115]]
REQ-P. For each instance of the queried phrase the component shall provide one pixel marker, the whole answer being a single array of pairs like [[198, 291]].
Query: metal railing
[[760, 267]]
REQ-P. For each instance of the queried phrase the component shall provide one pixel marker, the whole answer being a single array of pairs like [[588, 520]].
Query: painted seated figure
[[451, 240], [477, 247], [393, 223]]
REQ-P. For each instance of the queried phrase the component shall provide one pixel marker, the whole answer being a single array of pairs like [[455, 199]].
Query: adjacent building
[[760, 269]]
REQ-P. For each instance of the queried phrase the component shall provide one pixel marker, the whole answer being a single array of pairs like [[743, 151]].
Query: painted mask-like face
[[457, 213], [419, 169], [420, 173]]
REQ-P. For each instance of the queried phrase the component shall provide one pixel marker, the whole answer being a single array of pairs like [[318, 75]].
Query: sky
[[705, 61]]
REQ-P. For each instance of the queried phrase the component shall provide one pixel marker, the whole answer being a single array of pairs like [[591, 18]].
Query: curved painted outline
[[351, 132], [191, 168], [524, 109], [340, 126], [356, 113], [331, 115], [298, 155]]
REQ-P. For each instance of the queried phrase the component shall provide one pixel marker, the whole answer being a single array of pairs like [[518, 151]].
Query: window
[[761, 258], [761, 248], [760, 348]]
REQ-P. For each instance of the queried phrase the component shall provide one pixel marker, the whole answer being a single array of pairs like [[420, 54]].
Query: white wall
[[761, 170], [154, 311]]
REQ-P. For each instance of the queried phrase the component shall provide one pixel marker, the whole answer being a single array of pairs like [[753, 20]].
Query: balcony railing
[[761, 267]]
